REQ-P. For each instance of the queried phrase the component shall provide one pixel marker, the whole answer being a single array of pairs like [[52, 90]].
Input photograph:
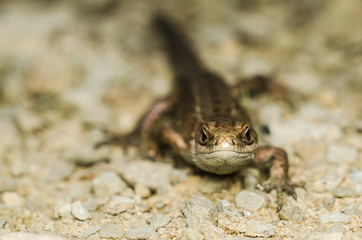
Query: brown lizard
[[201, 121]]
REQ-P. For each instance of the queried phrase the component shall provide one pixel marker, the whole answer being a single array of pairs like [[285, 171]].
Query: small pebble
[[334, 218], [2, 223], [142, 233], [143, 207], [178, 175], [90, 204], [28, 120], [356, 177], [335, 227], [118, 204], [92, 230], [79, 211], [212, 184], [232, 222], [342, 192], [49, 227], [328, 183], [8, 185], [31, 236], [352, 209], [306, 81], [110, 230], [136, 222], [190, 234], [159, 204], [200, 212], [251, 179], [107, 183], [12, 199], [341, 154], [96, 7], [328, 203], [64, 211], [244, 238], [250, 200], [77, 191], [61, 170], [223, 205], [353, 236], [256, 228], [293, 214], [270, 113], [18, 167], [159, 220], [88, 155], [282, 223], [153, 175], [142, 191], [320, 236], [293, 131]]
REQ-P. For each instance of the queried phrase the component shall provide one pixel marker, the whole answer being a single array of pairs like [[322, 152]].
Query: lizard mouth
[[223, 161], [221, 151]]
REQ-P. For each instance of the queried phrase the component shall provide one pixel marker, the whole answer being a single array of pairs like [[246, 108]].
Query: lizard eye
[[246, 135], [204, 136]]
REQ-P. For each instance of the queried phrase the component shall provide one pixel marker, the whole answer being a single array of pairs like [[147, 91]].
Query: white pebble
[[49, 227], [335, 218], [2, 223], [348, 192], [257, 228], [352, 209], [107, 183], [88, 155], [223, 205], [250, 200], [356, 177], [12, 199], [91, 231], [119, 204], [142, 191], [153, 175], [64, 211], [142, 233], [341, 154], [328, 182], [31, 236], [110, 230], [79, 211], [159, 220]]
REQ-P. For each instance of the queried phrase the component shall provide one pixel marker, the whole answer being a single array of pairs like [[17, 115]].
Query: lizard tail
[[179, 49]]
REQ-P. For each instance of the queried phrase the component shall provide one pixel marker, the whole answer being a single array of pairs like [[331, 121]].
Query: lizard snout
[[226, 142]]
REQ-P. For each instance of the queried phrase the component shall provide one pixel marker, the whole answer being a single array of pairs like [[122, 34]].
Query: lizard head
[[224, 146]]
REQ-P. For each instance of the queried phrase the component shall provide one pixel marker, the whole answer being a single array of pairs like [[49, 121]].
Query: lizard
[[203, 123]]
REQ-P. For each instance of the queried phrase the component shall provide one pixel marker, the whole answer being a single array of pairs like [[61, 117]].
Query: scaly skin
[[203, 123]]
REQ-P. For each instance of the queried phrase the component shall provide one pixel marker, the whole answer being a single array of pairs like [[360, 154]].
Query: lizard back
[[201, 92], [209, 121]]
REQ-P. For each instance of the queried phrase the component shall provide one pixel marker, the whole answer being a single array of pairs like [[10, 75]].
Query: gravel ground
[[70, 69]]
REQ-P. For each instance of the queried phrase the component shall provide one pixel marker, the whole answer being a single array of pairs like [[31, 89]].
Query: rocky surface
[[71, 69]]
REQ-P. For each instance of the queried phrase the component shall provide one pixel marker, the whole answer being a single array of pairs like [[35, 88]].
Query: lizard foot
[[280, 185], [149, 149], [123, 140]]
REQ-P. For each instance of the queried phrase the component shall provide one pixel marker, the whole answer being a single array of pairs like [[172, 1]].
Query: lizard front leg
[[276, 160], [165, 136], [144, 125]]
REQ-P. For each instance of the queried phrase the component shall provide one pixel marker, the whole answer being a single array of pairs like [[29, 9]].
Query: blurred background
[[77, 55]]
